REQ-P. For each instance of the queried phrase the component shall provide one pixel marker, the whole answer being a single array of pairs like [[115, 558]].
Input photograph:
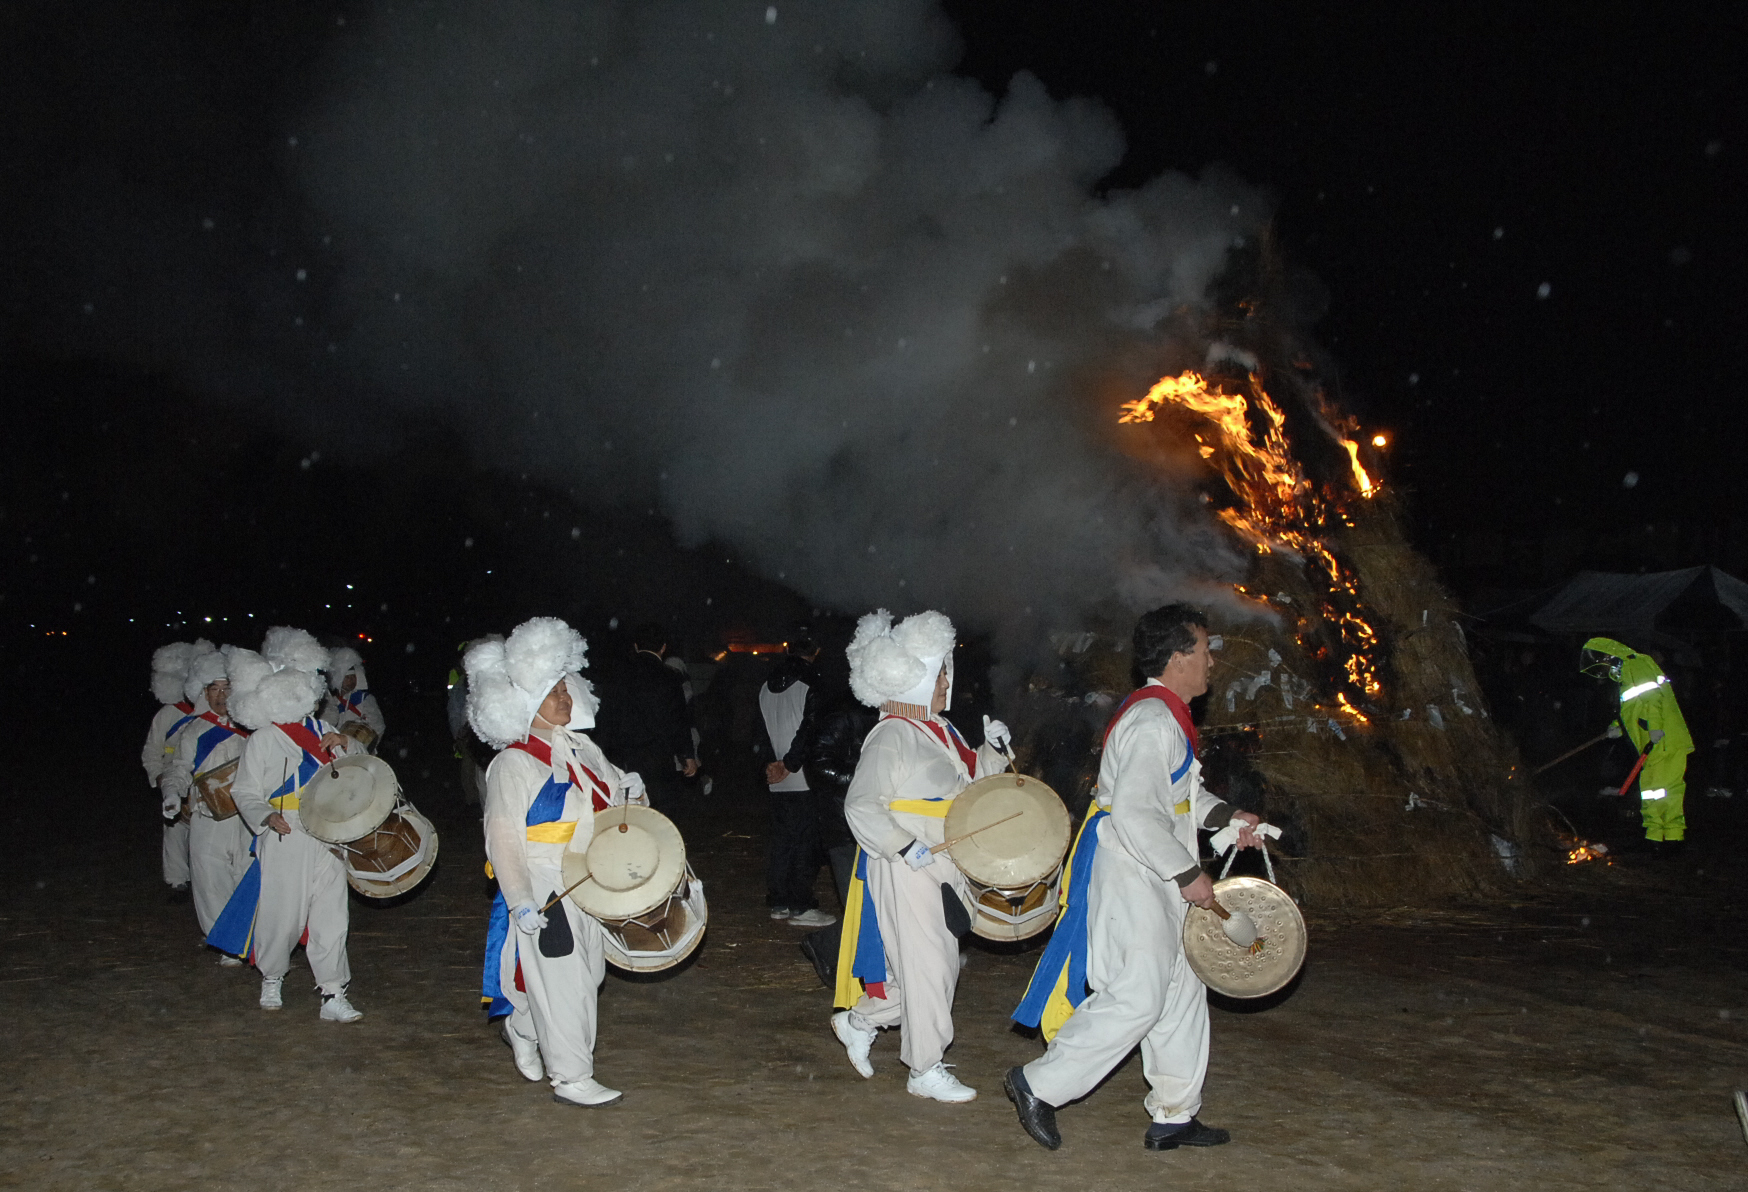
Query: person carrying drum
[[301, 892], [544, 956], [349, 706], [211, 746], [908, 906], [169, 672], [1140, 839]]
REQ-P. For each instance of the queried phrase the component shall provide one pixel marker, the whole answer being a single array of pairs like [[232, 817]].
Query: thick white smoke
[[777, 271]]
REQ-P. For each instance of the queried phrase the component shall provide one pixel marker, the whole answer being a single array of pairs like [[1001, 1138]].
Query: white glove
[[631, 786], [916, 854], [1614, 731], [996, 735], [171, 805], [529, 921], [1226, 837]]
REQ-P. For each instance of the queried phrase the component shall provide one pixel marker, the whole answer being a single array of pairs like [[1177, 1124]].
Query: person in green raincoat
[[1652, 720]]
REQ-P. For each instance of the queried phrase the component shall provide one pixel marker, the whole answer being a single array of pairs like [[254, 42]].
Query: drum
[[361, 733], [1008, 834], [354, 806], [631, 876], [1233, 969], [393, 857], [214, 788]]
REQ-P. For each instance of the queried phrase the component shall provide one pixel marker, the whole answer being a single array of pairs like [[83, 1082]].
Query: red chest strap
[[948, 738], [601, 796]]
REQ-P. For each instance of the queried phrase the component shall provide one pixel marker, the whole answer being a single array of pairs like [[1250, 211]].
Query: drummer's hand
[[336, 742], [1247, 837], [279, 823], [171, 805], [690, 766], [632, 785], [529, 921], [916, 854], [996, 735], [1200, 892], [775, 772]]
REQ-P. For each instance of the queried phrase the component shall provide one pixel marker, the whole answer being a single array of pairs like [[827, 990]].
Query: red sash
[[949, 739], [304, 739], [1170, 698], [541, 752], [210, 718], [183, 706]]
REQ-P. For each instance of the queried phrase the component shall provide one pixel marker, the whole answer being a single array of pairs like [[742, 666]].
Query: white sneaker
[[270, 995], [336, 1008], [814, 918], [588, 1092], [226, 960], [527, 1053], [780, 912], [858, 1041], [938, 1084]]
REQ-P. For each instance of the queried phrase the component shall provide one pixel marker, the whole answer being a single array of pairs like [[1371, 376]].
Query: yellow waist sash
[[284, 803], [934, 808], [559, 832]]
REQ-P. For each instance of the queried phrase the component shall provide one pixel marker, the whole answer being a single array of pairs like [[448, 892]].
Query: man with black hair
[[789, 703], [648, 726], [1140, 842]]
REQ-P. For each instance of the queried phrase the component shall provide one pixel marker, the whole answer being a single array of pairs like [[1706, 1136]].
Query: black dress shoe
[[1161, 1137], [1037, 1116]]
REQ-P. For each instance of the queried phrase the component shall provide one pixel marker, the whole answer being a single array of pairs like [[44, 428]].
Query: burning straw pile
[[1348, 692]]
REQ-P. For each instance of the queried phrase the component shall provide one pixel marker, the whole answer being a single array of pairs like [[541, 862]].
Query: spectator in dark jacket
[[841, 725], [648, 724]]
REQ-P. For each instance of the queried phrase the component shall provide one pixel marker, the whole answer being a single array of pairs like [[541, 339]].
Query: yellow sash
[[934, 808], [284, 803], [558, 832]]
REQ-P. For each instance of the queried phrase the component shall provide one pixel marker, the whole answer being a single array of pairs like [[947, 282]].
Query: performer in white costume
[[908, 907], [302, 892], [544, 963], [218, 849], [349, 698], [1144, 875], [169, 672]]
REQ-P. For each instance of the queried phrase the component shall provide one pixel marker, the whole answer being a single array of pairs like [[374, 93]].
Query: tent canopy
[[1692, 600]]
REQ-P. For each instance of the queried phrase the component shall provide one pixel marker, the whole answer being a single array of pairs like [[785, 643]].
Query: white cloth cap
[[204, 667], [170, 668], [342, 662]]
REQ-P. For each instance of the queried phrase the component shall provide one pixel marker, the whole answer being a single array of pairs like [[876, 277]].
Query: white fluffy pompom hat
[[507, 680], [170, 668], [205, 667], [342, 662], [280, 685], [900, 663]]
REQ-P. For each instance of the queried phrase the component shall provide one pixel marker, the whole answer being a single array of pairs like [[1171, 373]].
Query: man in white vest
[[789, 703]]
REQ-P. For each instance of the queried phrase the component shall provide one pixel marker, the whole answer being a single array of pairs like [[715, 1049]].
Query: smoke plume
[[779, 273]]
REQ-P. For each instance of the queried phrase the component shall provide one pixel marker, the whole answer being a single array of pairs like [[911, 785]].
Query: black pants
[[793, 855]]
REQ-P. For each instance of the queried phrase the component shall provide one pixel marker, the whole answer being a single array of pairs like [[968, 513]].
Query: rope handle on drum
[[1225, 841]]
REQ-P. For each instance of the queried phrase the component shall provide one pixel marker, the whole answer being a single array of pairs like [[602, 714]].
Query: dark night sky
[[1432, 168]]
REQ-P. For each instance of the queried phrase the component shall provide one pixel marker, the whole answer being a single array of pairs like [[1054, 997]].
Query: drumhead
[[1025, 849], [634, 859], [348, 798], [1227, 968]]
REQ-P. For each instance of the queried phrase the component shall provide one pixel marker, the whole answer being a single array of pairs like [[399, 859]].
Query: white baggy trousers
[[922, 957], [558, 1011], [302, 885], [218, 857], [1144, 993], [176, 853]]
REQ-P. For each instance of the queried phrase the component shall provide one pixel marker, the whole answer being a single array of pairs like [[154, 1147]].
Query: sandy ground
[[1586, 1038]]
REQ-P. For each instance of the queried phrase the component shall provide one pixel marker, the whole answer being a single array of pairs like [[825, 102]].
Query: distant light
[[1380, 441], [348, 587], [209, 620]]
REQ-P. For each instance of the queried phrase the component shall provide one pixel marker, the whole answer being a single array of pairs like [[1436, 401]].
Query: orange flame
[[1278, 507], [1587, 851]]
